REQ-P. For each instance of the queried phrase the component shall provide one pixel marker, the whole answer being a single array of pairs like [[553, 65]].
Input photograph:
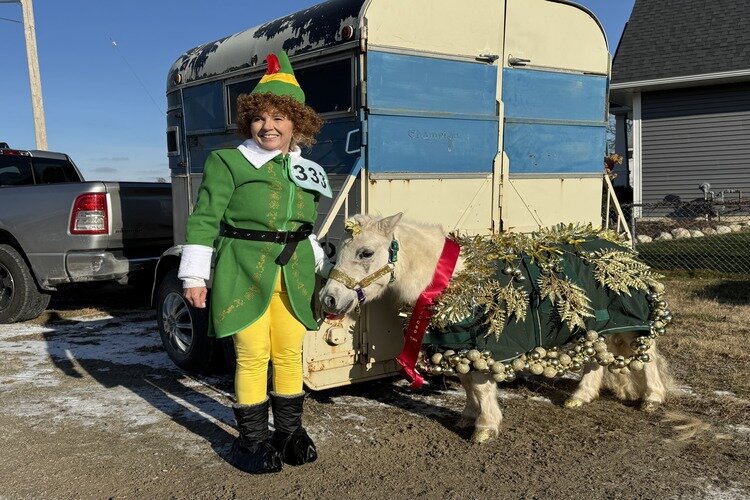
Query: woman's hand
[[196, 296]]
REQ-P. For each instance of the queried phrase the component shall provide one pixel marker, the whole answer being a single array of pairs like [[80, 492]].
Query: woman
[[256, 207]]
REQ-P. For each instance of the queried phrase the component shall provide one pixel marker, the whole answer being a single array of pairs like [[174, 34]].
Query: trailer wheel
[[183, 328], [18, 292]]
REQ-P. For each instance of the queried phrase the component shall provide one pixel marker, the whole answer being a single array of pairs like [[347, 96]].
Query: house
[[681, 73]]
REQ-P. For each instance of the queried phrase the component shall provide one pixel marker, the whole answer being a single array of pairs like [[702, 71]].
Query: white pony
[[363, 260]]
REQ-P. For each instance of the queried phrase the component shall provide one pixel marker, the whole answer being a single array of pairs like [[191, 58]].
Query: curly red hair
[[306, 121]]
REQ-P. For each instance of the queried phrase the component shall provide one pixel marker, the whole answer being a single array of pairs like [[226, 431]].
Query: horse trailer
[[483, 119]]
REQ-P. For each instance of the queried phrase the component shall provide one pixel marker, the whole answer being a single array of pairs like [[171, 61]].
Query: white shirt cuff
[[193, 282], [195, 262]]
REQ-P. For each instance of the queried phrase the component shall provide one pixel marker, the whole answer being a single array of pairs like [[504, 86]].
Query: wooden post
[[35, 79]]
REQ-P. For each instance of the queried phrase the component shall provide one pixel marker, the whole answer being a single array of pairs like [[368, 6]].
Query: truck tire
[[37, 307], [183, 328], [19, 295]]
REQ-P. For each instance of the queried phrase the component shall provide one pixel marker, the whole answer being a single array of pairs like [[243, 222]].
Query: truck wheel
[[18, 292], [37, 308], [183, 328]]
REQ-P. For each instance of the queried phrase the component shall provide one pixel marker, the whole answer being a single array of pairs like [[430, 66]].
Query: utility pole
[[35, 79]]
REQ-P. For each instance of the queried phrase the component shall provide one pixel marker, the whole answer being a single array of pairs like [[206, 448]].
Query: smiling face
[[272, 131]]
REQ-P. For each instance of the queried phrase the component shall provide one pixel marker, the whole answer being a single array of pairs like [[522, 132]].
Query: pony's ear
[[388, 224]]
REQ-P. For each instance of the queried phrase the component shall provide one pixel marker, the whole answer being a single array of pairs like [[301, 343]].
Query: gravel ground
[[91, 407]]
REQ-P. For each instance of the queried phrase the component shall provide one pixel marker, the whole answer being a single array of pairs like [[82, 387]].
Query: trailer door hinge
[[363, 38]]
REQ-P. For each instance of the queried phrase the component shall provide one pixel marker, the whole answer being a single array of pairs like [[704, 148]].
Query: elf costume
[[256, 209]]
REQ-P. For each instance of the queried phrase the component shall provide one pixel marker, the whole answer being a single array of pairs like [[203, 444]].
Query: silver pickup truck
[[57, 229]]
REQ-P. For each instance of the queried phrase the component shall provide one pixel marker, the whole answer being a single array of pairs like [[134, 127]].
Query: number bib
[[311, 176]]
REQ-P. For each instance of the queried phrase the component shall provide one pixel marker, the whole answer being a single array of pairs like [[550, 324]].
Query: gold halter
[[359, 286]]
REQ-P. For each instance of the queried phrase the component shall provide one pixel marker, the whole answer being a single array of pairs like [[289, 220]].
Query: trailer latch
[[488, 58]]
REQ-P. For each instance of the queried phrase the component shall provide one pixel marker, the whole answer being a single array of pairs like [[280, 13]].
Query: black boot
[[290, 438], [251, 451]]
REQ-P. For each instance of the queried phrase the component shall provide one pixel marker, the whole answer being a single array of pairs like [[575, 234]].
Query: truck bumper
[[95, 266]]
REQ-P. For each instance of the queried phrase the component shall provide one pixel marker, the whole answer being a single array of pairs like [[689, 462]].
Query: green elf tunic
[[238, 193]]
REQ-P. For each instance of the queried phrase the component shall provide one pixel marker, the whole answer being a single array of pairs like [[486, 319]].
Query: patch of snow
[[353, 416], [731, 492], [540, 399], [359, 402], [685, 390], [64, 367], [726, 394], [503, 394]]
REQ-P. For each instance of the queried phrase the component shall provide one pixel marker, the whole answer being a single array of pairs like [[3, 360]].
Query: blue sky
[[105, 104]]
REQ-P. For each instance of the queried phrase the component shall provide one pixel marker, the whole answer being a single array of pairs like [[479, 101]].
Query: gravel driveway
[[91, 407]]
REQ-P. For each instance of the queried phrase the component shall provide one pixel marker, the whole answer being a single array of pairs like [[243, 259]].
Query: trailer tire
[[183, 328], [18, 292]]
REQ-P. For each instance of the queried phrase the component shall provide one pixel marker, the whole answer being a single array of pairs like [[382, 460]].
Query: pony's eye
[[366, 254]]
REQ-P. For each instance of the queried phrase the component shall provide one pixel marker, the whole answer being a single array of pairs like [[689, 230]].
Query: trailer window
[[328, 88], [234, 91], [173, 141], [203, 107], [15, 171]]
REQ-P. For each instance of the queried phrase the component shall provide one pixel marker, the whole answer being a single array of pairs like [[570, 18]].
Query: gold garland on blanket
[[476, 289]]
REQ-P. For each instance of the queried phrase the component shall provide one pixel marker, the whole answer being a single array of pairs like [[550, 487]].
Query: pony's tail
[[685, 426]]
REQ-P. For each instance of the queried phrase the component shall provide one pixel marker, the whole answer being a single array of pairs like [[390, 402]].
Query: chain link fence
[[696, 235]]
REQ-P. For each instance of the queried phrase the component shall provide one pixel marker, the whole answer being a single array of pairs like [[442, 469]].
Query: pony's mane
[[367, 221], [420, 246]]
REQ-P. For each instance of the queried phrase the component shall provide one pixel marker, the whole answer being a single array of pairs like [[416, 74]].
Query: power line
[[117, 49], [11, 20]]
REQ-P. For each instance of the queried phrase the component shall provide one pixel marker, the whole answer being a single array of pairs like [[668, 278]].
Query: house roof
[[680, 38]]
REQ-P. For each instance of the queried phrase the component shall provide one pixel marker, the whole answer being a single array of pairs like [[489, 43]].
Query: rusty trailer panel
[[317, 28]]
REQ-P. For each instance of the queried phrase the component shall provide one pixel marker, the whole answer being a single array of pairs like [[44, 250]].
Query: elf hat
[[279, 78]]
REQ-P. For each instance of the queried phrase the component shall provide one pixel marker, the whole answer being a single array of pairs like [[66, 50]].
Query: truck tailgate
[[38, 217], [141, 217]]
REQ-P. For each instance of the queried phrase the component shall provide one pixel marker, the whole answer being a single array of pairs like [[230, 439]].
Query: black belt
[[287, 238]]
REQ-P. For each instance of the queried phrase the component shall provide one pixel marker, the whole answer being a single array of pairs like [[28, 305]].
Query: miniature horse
[[364, 258]]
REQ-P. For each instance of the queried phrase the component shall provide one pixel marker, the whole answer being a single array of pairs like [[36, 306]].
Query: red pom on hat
[[273, 64]]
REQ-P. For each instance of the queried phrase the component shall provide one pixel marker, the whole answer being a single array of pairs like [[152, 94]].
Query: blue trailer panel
[[554, 121], [430, 115]]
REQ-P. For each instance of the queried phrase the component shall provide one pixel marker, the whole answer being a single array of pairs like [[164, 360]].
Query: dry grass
[[708, 345], [92, 300], [708, 350]]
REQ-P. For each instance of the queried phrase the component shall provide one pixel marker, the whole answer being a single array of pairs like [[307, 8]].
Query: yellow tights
[[276, 335]]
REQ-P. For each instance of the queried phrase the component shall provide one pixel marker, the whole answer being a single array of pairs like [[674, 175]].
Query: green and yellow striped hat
[[279, 78]]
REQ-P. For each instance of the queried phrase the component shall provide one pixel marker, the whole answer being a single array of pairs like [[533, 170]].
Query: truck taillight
[[13, 152], [89, 214]]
